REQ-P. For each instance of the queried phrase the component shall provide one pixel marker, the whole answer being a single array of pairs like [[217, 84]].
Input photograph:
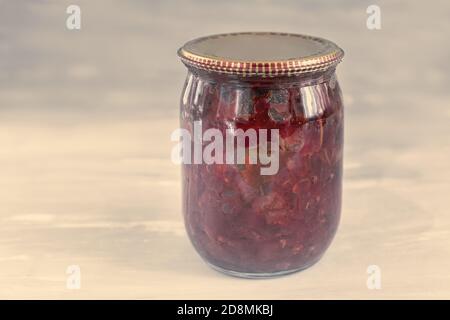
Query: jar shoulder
[[274, 101]]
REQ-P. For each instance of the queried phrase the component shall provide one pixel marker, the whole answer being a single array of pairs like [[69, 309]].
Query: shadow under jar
[[240, 221]]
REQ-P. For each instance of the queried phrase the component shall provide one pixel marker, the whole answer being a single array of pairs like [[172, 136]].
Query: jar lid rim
[[263, 54]]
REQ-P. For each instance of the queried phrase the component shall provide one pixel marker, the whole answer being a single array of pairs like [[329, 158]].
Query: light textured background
[[85, 171]]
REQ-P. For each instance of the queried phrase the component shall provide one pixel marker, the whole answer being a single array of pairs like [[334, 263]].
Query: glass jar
[[262, 117]]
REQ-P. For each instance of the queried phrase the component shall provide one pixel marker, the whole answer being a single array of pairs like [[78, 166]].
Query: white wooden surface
[[86, 176]]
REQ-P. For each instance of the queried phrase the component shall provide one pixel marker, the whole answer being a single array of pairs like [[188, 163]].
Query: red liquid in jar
[[245, 222]]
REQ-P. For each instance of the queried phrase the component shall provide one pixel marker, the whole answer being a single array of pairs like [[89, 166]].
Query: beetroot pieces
[[245, 222]]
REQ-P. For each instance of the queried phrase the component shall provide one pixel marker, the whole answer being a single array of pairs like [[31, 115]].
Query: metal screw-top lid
[[264, 54]]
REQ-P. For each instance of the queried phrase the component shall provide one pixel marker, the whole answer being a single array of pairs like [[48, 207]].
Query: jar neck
[[302, 80]]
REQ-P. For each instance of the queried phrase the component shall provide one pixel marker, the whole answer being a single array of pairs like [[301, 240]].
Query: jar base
[[260, 275]]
